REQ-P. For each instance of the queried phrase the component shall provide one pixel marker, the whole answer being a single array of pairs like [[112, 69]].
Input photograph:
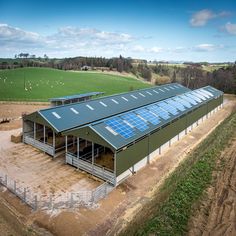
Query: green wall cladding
[[131, 155], [88, 134], [125, 159], [214, 103], [196, 115], [165, 134]]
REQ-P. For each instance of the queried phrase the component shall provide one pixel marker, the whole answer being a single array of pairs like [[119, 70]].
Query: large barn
[[114, 136]]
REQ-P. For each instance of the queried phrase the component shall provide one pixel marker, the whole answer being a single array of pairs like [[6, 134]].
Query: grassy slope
[[44, 83], [169, 212]]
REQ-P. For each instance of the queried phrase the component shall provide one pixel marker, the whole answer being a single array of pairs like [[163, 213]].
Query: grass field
[[169, 212], [39, 84]]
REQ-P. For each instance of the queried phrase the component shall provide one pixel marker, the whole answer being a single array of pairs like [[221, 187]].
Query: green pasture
[[39, 84]]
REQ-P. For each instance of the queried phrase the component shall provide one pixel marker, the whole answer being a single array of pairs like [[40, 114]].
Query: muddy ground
[[14, 111], [120, 207], [216, 214], [5, 228]]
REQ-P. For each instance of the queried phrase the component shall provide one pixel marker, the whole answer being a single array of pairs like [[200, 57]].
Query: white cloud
[[201, 18], [179, 49], [152, 50], [156, 49], [73, 41], [206, 47], [11, 35], [230, 28], [70, 40], [138, 48], [75, 34]]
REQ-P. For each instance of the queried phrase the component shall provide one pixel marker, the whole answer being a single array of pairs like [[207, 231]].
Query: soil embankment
[[217, 212]]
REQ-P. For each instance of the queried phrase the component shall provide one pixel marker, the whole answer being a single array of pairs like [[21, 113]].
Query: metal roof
[[75, 96], [125, 128], [78, 114]]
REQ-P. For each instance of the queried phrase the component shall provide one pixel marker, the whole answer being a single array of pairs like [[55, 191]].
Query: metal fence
[[86, 198], [40, 145]]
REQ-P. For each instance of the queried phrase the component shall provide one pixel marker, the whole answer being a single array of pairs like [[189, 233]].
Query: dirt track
[[217, 213]]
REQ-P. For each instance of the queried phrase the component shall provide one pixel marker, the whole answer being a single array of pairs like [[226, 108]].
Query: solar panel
[[199, 95], [203, 94], [176, 104], [212, 89], [144, 113], [120, 127], [190, 100], [159, 111], [168, 108], [134, 120], [206, 92], [183, 102], [197, 98]]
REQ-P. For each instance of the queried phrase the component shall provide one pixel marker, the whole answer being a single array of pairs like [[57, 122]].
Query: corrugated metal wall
[[126, 158]]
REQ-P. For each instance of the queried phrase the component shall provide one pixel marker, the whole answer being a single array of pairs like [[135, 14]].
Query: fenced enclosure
[[94, 169], [84, 198]]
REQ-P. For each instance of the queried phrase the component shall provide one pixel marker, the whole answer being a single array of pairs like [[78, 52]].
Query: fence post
[[24, 195], [35, 202], [14, 186], [105, 189], [50, 202], [71, 200], [92, 196]]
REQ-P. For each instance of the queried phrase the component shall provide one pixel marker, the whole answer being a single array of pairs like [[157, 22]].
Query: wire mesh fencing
[[86, 198]]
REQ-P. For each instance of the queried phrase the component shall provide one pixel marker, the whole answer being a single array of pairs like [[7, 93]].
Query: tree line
[[191, 75]]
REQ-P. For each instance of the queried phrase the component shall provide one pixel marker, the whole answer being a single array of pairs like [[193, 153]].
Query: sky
[[200, 30]]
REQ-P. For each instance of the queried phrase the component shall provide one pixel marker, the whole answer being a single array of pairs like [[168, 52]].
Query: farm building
[[114, 136], [73, 98]]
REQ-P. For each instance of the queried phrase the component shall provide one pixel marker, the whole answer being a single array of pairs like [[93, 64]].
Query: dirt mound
[[217, 213]]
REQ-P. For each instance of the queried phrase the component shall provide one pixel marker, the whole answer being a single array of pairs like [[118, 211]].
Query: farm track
[[217, 213]]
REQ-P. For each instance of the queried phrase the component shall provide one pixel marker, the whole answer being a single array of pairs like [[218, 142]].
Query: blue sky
[[153, 30]]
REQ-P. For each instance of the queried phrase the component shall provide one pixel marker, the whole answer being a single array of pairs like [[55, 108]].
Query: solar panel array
[[79, 114], [129, 123], [119, 126]]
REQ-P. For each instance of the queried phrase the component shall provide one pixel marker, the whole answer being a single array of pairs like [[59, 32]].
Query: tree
[[174, 78], [45, 57], [146, 74]]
